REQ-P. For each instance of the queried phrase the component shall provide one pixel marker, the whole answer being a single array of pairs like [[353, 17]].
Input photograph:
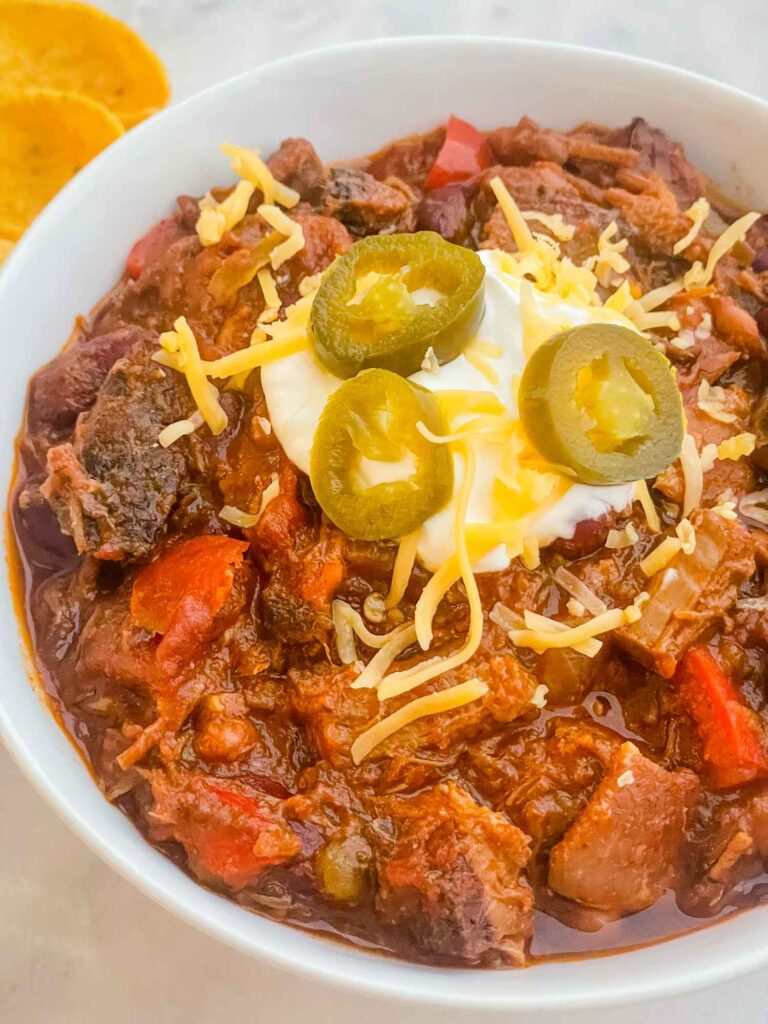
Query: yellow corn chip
[[73, 47], [45, 138]]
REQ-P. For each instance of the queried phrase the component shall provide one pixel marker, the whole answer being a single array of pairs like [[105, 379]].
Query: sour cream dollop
[[297, 387]]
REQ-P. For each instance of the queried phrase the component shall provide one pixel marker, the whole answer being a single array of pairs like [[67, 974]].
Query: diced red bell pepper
[[320, 579], [729, 730], [463, 155], [180, 594], [228, 834], [150, 246]]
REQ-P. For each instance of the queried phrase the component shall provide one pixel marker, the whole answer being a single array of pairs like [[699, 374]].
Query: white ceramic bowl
[[348, 100]]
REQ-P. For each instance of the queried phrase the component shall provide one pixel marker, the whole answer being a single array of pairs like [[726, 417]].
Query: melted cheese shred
[[643, 496], [609, 261], [269, 291], [521, 233], [661, 556], [179, 351], [664, 552], [294, 236], [642, 312], [181, 428], [589, 648], [181, 343], [540, 640], [693, 474], [432, 704], [697, 214], [408, 679], [247, 359], [379, 665], [344, 615], [700, 275], [402, 569]]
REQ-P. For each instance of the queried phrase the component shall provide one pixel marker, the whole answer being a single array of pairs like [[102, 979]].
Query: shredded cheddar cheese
[[609, 261], [693, 474], [643, 311], [542, 640], [246, 359], [247, 164], [532, 620], [539, 696], [697, 214], [403, 567], [344, 614], [664, 552], [621, 299], [575, 608], [521, 233], [530, 555], [643, 496], [661, 556], [409, 679], [181, 343], [217, 218], [686, 535], [431, 704], [400, 638], [269, 291], [736, 447], [246, 520], [294, 235], [700, 275]]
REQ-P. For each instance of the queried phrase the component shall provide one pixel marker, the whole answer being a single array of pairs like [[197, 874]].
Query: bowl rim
[[616, 993]]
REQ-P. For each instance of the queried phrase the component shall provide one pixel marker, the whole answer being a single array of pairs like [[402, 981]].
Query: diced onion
[[753, 506], [577, 588]]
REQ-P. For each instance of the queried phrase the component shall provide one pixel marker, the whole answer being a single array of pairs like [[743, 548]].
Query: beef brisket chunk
[[452, 876], [299, 167], [367, 206], [69, 384], [624, 850], [113, 486]]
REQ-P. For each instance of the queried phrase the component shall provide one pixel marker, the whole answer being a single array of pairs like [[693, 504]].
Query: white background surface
[[77, 943]]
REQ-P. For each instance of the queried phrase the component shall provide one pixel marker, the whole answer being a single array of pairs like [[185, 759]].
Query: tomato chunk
[[228, 834], [729, 730], [180, 594], [150, 246], [463, 154]]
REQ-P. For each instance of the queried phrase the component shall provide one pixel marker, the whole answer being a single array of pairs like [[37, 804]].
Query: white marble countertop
[[77, 943]]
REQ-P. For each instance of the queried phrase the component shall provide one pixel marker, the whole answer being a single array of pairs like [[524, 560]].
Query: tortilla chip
[[75, 48], [5, 247], [45, 138]]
